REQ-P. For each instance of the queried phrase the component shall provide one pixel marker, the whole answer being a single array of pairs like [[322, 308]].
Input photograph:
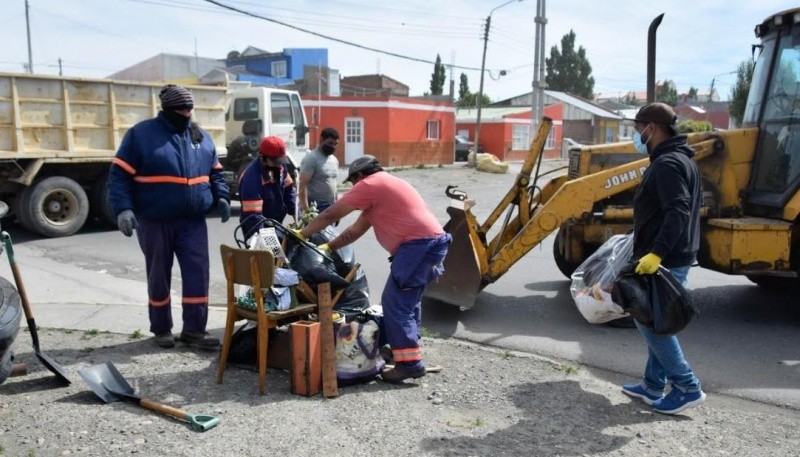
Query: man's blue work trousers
[[415, 264], [161, 242]]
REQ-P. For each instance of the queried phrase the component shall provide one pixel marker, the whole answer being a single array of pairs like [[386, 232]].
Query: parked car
[[463, 146]]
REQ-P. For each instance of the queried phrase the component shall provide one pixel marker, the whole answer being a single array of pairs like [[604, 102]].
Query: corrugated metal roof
[[488, 114], [581, 104]]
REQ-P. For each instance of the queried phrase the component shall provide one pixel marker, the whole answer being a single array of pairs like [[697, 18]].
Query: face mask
[[641, 146], [328, 149]]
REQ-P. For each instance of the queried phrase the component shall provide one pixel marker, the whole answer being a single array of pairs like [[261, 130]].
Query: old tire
[[566, 266], [101, 204], [57, 206], [21, 208]]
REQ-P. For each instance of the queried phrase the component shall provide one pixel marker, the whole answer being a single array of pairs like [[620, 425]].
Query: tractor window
[[760, 74], [779, 164]]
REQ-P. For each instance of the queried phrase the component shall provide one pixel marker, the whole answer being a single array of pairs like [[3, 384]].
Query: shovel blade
[[54, 367], [97, 377], [461, 281]]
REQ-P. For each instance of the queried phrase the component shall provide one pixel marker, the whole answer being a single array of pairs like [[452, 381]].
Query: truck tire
[[101, 204], [567, 267], [57, 206], [20, 208]]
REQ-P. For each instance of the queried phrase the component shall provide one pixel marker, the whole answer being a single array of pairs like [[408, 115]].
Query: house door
[[353, 139]]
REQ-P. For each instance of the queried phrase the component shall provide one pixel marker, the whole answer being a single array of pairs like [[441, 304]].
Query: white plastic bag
[[593, 280]]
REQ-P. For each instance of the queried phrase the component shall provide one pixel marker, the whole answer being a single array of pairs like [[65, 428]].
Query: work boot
[[400, 373], [165, 340], [200, 340]]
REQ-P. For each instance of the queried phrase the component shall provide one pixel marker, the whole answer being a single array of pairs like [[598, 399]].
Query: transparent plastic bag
[[593, 280]]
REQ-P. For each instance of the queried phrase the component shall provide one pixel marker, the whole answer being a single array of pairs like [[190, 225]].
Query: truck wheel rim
[[60, 207]]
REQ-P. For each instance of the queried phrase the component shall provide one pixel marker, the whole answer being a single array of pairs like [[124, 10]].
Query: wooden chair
[[252, 268]]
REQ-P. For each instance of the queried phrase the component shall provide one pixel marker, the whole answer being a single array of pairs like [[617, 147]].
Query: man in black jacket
[[666, 227]]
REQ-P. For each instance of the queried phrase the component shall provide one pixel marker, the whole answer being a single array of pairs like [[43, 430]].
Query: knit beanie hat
[[174, 97]]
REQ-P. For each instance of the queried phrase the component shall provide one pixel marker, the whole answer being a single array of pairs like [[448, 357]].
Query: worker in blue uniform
[[266, 187], [163, 181]]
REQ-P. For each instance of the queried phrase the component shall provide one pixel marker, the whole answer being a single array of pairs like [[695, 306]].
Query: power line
[[328, 37]]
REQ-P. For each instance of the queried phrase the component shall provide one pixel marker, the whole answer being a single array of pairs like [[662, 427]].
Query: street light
[[483, 66]]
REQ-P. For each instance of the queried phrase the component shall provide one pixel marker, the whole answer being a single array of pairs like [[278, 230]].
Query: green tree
[[744, 75], [689, 125], [692, 95], [630, 99], [437, 77], [667, 93], [463, 87], [569, 71]]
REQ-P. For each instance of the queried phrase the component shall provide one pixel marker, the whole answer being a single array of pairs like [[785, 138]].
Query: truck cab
[[256, 112]]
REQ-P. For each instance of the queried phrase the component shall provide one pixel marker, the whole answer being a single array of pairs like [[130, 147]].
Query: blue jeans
[[665, 359]]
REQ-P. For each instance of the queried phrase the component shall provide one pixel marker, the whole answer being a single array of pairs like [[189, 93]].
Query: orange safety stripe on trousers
[[159, 303], [252, 206], [407, 355], [195, 300], [124, 165], [171, 179]]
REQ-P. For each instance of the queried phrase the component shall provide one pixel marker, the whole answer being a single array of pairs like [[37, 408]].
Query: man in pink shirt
[[416, 242]]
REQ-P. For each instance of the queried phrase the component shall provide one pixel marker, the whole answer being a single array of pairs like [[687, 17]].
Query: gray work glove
[[224, 209], [126, 222]]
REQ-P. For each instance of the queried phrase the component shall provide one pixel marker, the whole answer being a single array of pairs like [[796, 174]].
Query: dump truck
[[58, 136], [750, 219]]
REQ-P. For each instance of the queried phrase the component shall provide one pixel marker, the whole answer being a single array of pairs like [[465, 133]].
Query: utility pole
[[60, 73], [537, 87], [28, 26], [483, 70]]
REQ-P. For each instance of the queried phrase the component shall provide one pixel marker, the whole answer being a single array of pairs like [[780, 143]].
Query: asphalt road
[[744, 343]]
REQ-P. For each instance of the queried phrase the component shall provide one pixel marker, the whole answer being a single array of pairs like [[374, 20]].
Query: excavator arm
[[532, 213]]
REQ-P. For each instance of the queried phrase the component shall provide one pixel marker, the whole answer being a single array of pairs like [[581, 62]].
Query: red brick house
[[399, 131], [714, 112]]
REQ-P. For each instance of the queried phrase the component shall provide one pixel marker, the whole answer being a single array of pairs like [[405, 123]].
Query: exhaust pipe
[[651, 58]]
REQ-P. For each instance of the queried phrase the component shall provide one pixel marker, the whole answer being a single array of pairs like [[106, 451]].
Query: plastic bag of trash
[[593, 280], [490, 163]]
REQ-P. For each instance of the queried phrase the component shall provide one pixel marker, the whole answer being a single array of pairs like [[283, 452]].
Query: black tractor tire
[[101, 204], [567, 267], [775, 282], [57, 206]]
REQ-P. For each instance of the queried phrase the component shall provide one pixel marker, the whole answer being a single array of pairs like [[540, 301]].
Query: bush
[[689, 125]]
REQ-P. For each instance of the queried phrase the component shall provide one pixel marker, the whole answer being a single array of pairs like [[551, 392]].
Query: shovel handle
[[199, 422], [164, 409], [23, 295]]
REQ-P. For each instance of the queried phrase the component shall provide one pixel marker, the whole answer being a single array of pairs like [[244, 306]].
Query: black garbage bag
[[316, 269], [658, 301]]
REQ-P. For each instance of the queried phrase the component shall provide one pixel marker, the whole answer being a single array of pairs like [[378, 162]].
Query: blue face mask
[[641, 147]]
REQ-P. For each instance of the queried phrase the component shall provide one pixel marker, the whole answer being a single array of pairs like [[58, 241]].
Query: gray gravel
[[485, 402]]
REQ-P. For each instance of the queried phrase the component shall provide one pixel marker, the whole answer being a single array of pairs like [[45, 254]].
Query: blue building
[[274, 68]]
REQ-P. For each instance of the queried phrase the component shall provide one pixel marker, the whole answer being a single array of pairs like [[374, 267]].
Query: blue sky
[[698, 40]]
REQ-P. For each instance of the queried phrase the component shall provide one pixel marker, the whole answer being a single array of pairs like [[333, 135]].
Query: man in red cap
[[266, 187]]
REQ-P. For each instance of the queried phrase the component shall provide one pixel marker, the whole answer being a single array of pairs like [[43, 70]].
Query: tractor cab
[[773, 105]]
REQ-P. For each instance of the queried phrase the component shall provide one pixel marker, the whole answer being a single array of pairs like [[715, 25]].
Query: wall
[[394, 127]]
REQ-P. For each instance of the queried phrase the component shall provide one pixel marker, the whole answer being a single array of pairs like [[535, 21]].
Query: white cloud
[[697, 41]]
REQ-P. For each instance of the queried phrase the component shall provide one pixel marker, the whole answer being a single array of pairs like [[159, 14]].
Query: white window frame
[[432, 130], [278, 69], [550, 142], [519, 137]]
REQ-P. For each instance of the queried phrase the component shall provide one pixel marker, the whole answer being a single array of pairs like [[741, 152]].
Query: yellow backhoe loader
[[751, 190]]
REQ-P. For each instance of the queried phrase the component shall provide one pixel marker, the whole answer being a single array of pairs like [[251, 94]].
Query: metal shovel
[[108, 384], [46, 360]]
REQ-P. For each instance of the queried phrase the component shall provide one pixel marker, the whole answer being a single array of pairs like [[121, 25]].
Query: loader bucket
[[461, 282]]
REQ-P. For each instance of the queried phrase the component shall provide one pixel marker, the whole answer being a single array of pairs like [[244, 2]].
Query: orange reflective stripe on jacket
[[252, 206], [171, 179], [407, 355], [124, 165]]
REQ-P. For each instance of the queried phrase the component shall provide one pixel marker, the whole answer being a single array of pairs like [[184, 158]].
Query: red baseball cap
[[273, 147]]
